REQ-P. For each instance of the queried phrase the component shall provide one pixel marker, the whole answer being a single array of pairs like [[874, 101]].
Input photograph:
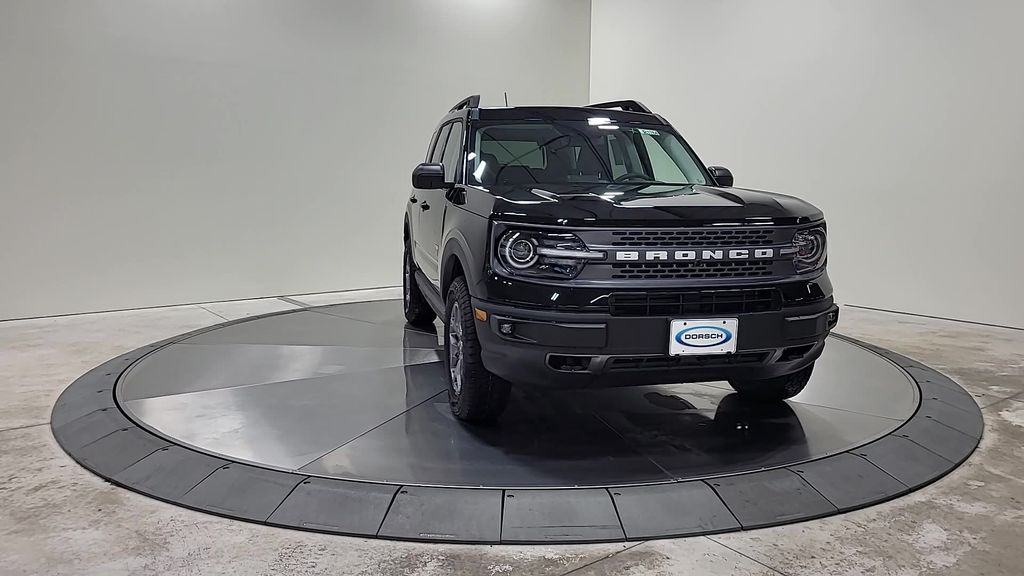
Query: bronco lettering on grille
[[692, 255]]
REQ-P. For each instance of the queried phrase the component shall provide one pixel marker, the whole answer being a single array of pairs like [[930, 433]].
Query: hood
[[645, 205]]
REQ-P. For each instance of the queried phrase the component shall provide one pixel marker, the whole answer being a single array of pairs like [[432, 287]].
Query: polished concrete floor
[[57, 518], [350, 391]]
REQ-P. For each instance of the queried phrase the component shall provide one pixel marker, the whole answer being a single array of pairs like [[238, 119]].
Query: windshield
[[585, 152]]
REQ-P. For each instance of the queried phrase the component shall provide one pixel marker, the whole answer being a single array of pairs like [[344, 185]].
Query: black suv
[[589, 246]]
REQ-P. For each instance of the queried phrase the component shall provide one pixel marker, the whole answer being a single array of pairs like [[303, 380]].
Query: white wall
[[156, 153], [902, 120]]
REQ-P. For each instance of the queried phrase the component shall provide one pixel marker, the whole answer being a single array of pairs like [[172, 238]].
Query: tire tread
[[483, 396]]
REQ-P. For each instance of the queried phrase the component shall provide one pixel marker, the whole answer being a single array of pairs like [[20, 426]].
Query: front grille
[[695, 302], [656, 261], [687, 270], [665, 362], [696, 237]]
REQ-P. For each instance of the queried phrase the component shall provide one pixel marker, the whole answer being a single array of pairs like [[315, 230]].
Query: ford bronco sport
[[589, 246]]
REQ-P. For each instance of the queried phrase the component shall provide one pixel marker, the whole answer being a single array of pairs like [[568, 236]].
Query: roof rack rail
[[624, 105], [468, 102]]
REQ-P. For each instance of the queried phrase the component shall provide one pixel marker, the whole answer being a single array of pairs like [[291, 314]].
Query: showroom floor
[[57, 518]]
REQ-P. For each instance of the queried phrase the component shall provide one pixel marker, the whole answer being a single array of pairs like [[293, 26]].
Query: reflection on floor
[[350, 391]]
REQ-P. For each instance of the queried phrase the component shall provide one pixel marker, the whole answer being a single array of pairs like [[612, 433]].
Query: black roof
[[619, 110], [564, 113]]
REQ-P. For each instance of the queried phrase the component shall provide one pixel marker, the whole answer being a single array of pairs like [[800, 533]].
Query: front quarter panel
[[466, 238], [479, 201]]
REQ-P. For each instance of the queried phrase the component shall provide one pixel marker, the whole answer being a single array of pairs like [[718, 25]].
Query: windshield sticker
[[649, 132]]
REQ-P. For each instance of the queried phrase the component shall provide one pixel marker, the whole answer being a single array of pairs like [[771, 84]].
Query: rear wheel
[[417, 311], [774, 389], [475, 395]]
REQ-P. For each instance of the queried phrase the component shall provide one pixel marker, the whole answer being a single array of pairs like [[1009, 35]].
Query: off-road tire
[[479, 396], [417, 311], [774, 389]]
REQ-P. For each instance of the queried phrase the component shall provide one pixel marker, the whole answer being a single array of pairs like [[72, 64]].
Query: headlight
[[810, 250], [518, 250], [542, 254]]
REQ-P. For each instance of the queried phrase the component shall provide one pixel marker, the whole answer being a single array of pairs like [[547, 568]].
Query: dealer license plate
[[714, 336]]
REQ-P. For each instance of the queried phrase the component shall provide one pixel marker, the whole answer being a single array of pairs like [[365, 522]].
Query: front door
[[433, 203], [422, 242]]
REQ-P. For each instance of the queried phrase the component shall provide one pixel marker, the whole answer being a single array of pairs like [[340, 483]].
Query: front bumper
[[580, 350]]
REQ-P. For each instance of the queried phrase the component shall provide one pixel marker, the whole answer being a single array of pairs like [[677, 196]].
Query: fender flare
[[456, 249], [407, 225]]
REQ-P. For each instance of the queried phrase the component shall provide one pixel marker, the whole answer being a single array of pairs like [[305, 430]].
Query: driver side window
[[453, 154], [438, 151]]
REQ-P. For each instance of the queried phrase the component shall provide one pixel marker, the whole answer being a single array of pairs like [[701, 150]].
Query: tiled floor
[[56, 518]]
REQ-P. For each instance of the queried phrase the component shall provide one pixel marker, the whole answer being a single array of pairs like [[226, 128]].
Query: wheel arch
[[457, 261]]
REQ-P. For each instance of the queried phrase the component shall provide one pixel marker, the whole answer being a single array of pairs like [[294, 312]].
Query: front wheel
[[774, 389], [474, 394]]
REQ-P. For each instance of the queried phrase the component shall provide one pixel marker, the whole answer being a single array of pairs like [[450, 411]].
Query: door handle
[[425, 206]]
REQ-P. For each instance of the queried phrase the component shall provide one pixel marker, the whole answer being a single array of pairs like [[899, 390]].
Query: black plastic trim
[[429, 292]]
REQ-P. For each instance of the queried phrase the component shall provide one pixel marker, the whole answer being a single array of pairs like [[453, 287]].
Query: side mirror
[[721, 175], [428, 177]]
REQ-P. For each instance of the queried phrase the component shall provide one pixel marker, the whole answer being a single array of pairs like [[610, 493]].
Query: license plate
[[691, 337]]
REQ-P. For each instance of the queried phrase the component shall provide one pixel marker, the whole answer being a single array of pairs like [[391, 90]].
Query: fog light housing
[[506, 328], [832, 319], [568, 363]]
